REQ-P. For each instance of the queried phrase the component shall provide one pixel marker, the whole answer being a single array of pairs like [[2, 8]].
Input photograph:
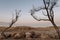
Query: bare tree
[[48, 7], [14, 20]]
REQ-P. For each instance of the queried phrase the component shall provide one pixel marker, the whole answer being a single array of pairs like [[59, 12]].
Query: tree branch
[[44, 14], [13, 21]]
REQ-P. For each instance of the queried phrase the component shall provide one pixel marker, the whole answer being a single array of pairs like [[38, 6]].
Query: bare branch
[[13, 21], [16, 18], [48, 6], [45, 19], [44, 14], [52, 15], [35, 17], [32, 14], [38, 9], [48, 2]]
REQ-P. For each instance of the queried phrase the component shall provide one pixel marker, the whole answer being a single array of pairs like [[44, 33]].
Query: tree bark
[[56, 28]]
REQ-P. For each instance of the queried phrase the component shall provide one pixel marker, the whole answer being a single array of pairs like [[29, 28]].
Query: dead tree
[[48, 7], [14, 20]]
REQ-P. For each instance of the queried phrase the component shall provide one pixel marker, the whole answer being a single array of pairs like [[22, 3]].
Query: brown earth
[[30, 33]]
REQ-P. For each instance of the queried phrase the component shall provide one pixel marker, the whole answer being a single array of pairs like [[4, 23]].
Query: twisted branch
[[48, 6], [14, 20]]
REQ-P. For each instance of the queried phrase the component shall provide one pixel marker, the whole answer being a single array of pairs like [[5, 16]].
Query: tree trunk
[[56, 28], [5, 30]]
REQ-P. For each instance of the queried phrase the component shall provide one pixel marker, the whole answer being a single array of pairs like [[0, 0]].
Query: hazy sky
[[7, 7]]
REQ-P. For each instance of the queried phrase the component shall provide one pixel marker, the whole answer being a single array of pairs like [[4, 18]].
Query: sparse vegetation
[[13, 21], [49, 13], [30, 33]]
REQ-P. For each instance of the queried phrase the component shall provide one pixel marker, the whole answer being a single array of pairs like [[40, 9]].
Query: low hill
[[27, 28]]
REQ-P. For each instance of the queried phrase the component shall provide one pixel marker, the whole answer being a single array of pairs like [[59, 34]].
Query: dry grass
[[29, 33]]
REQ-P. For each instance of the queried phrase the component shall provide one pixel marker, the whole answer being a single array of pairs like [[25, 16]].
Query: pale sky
[[7, 7]]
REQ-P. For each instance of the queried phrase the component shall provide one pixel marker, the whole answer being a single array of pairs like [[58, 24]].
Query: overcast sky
[[7, 7]]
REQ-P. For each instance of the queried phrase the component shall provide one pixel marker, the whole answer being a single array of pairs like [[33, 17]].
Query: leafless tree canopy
[[13, 21], [48, 7]]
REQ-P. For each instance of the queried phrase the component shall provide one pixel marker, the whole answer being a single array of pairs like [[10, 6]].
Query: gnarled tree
[[48, 7], [14, 20]]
